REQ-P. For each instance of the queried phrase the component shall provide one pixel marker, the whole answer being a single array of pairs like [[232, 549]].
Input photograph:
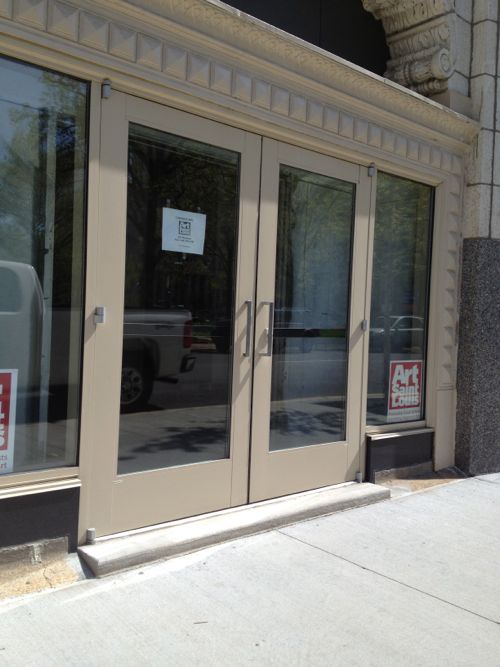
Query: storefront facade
[[227, 257]]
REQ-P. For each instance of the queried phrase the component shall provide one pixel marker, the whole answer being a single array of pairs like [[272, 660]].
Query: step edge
[[109, 557]]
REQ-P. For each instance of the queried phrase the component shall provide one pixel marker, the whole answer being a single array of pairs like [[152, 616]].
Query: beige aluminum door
[[312, 258], [171, 406]]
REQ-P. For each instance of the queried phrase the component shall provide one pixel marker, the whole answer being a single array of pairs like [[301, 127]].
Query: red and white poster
[[405, 391], [8, 395]]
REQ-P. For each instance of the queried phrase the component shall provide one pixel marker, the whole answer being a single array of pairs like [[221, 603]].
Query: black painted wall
[[40, 516], [342, 27]]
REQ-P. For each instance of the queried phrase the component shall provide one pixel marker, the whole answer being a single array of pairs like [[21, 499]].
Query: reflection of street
[[322, 371], [308, 421], [308, 393], [170, 437], [188, 421], [206, 384], [184, 422]]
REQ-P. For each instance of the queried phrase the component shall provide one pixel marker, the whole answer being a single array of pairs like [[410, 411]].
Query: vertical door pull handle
[[248, 339], [270, 328]]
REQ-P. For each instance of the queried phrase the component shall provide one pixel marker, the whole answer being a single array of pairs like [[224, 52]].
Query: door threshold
[[145, 545]]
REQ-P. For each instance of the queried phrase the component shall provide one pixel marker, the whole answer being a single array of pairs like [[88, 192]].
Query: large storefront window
[[399, 302], [43, 139]]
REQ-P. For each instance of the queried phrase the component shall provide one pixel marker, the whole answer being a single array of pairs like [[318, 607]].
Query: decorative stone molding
[[122, 40], [419, 35], [248, 42], [449, 283]]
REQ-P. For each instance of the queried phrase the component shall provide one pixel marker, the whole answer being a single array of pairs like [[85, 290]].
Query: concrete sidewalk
[[411, 581]]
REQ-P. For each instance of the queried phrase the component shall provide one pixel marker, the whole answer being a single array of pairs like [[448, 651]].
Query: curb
[[127, 550]]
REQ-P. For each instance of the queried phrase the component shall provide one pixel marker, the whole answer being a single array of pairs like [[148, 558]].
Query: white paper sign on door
[[183, 231]]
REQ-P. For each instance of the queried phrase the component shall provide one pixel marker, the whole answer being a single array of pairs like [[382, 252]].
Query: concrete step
[[126, 550]]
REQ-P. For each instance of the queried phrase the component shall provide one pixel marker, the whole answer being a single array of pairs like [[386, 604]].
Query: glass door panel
[[212, 385], [313, 240], [182, 223], [311, 312], [172, 364]]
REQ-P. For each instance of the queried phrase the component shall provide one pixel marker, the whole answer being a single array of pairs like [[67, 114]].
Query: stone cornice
[[209, 50], [420, 37], [234, 28]]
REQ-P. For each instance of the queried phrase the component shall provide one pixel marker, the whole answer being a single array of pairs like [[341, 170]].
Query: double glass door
[[231, 269]]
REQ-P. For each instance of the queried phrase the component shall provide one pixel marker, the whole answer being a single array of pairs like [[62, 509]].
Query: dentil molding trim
[[210, 45], [419, 34]]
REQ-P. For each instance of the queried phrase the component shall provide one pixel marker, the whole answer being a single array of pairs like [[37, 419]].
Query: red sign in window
[[8, 391], [405, 390]]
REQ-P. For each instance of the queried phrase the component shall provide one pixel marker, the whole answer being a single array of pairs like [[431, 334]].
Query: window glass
[[180, 272], [43, 139], [310, 343], [399, 300]]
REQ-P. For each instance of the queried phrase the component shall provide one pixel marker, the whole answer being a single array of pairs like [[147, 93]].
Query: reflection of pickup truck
[[406, 333], [292, 326], [156, 345]]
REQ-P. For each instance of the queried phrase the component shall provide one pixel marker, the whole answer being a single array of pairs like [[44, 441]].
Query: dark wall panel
[[354, 34], [398, 450], [297, 17], [40, 516], [342, 27]]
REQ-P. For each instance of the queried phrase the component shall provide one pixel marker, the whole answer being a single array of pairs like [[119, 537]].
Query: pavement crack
[[487, 481], [46, 577], [393, 579]]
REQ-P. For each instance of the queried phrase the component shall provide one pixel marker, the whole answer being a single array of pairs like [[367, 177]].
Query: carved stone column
[[420, 36]]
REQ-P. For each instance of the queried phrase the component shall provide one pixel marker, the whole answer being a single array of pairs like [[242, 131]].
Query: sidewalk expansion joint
[[386, 576], [487, 481]]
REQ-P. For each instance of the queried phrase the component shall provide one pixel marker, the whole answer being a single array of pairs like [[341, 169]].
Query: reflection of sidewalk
[[413, 581], [161, 438], [181, 436]]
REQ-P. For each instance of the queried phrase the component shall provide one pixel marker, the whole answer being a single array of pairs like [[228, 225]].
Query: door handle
[[248, 338], [270, 328], [100, 315]]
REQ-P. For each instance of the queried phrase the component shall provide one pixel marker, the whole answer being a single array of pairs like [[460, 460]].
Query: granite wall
[[478, 372], [478, 367]]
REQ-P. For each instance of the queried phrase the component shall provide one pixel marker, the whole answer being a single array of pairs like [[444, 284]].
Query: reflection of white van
[[156, 343], [21, 320]]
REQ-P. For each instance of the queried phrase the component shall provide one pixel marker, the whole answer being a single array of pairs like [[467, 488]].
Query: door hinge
[[372, 169], [106, 89], [364, 325]]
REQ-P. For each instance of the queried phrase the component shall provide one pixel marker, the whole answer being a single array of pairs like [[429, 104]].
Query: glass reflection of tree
[[166, 170], [312, 275], [42, 170], [400, 263], [314, 238], [26, 176]]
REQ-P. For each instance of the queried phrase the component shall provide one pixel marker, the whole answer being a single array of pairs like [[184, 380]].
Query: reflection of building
[[343, 211]]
